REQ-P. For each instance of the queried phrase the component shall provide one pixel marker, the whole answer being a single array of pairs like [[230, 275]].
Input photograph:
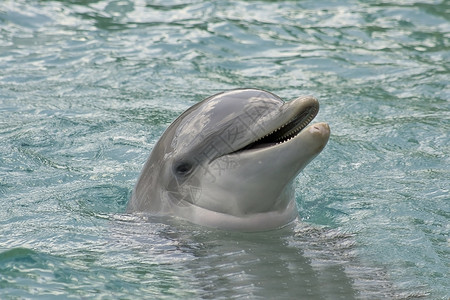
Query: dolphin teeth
[[285, 132]]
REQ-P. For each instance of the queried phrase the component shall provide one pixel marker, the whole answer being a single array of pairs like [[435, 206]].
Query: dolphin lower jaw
[[292, 154], [253, 182]]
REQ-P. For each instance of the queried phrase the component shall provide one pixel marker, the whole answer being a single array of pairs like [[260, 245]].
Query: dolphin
[[229, 161]]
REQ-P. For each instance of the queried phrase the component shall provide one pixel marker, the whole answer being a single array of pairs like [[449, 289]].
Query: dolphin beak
[[293, 117]]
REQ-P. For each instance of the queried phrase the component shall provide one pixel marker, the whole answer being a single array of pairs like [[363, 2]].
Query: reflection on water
[[299, 261]]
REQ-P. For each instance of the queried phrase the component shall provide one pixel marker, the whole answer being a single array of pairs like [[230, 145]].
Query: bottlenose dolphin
[[229, 161]]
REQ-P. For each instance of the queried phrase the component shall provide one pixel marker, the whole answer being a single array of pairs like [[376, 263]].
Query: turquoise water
[[87, 87]]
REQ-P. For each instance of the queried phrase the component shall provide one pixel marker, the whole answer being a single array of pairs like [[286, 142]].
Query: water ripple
[[87, 87]]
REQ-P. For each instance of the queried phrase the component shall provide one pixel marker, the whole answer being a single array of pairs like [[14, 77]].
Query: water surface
[[87, 87]]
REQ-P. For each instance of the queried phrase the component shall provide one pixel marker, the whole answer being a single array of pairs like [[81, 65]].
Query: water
[[87, 87]]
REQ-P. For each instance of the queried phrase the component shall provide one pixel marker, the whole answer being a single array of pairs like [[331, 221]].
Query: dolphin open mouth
[[287, 131]]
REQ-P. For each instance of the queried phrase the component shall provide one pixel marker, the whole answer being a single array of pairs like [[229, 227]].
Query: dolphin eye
[[183, 168]]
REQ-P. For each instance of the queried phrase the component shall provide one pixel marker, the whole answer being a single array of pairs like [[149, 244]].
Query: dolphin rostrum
[[229, 161]]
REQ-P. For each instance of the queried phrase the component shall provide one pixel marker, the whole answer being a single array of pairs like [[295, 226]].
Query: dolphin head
[[229, 161]]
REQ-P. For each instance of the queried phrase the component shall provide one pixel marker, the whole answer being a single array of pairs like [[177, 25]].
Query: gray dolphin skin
[[229, 161]]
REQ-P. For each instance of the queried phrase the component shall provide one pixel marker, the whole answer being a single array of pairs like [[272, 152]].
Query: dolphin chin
[[229, 161]]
